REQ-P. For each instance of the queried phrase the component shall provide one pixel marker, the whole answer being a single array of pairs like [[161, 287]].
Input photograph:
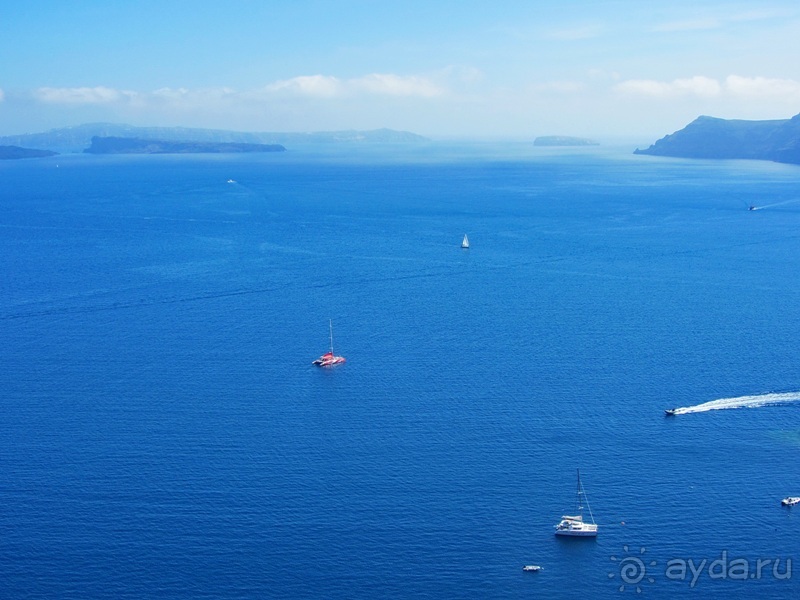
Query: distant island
[[14, 152], [709, 137], [78, 138], [563, 140], [120, 145]]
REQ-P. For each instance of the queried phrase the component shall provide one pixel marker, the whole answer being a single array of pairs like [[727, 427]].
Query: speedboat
[[791, 501], [532, 568], [670, 412]]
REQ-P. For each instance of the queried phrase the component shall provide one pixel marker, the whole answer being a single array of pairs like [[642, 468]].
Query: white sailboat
[[465, 242], [574, 525]]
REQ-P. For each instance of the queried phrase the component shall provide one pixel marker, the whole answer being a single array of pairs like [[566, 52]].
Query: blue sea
[[164, 434]]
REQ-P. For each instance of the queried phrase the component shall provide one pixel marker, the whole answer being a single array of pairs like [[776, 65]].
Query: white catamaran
[[575, 526], [329, 359]]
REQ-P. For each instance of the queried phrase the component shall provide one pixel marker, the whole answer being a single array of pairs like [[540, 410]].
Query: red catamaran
[[329, 359]]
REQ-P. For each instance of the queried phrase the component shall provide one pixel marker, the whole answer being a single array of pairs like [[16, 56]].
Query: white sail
[[465, 242]]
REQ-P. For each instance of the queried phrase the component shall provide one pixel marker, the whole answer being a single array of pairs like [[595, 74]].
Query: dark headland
[[120, 145], [13, 152], [709, 137], [79, 137]]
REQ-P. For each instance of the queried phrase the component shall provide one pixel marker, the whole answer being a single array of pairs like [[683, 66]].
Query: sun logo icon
[[632, 570]]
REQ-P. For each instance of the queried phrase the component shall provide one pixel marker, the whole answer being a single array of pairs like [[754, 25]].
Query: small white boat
[[465, 242], [791, 501], [574, 525], [231, 181], [532, 568]]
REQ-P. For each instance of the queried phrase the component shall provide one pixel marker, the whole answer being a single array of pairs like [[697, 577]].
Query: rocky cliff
[[708, 137]]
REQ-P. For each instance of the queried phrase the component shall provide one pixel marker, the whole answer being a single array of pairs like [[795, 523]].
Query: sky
[[444, 69]]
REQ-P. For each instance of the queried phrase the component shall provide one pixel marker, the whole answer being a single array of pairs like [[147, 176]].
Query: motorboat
[[791, 501], [329, 359], [532, 568], [574, 525], [670, 412]]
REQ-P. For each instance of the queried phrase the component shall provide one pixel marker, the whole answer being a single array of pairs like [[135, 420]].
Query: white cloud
[[706, 87], [308, 85], [175, 97], [395, 85], [693, 86], [382, 84], [320, 87], [82, 95], [644, 87], [761, 87], [171, 93], [187, 98], [697, 86]]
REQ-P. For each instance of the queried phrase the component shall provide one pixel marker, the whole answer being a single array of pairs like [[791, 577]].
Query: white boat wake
[[771, 399], [762, 207]]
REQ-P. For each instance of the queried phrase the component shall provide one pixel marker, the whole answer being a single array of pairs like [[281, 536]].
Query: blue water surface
[[164, 434]]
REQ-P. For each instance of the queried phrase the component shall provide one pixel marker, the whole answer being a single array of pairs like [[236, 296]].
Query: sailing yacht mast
[[582, 497], [574, 525]]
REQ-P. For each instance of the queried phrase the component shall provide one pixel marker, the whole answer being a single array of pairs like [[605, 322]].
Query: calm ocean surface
[[164, 434]]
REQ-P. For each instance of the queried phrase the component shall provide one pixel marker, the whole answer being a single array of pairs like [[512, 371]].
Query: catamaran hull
[[329, 362], [577, 533]]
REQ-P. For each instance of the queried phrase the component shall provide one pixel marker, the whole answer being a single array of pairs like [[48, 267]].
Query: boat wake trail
[[762, 207], [771, 399]]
